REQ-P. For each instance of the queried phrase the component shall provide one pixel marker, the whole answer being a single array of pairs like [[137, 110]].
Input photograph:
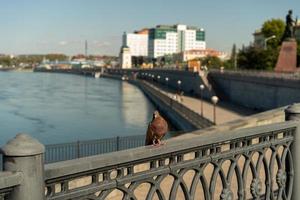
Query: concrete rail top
[[10, 179]]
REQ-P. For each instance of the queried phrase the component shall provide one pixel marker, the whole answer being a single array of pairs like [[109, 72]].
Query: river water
[[58, 108]]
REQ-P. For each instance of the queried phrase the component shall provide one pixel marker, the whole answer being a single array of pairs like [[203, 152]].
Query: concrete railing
[[254, 163], [9, 181], [196, 120]]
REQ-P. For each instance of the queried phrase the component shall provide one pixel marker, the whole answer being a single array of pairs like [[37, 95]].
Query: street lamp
[[167, 80], [201, 92], [158, 78], [215, 100], [179, 83], [267, 39]]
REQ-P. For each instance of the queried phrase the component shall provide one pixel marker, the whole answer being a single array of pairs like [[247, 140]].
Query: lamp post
[[167, 80], [215, 100], [179, 84], [201, 99], [158, 78], [267, 39]]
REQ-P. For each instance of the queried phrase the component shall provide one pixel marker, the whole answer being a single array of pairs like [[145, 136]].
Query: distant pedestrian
[[181, 96]]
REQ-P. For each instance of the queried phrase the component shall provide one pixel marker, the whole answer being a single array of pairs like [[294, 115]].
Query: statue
[[289, 31], [287, 59]]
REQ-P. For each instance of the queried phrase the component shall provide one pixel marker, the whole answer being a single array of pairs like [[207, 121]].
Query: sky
[[62, 26]]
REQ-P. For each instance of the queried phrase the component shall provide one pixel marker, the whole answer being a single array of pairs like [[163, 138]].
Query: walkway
[[225, 112]]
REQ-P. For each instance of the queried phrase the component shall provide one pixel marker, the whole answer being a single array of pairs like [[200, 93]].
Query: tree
[[273, 27], [212, 62], [134, 60], [231, 63], [5, 61], [56, 57], [140, 61], [233, 56], [257, 58]]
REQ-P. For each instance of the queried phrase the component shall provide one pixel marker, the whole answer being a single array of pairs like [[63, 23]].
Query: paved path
[[225, 112]]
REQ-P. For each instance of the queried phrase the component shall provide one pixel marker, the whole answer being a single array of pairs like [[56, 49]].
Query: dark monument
[[289, 32], [287, 60]]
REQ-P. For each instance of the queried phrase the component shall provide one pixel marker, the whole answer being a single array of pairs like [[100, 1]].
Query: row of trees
[[29, 60], [33, 60]]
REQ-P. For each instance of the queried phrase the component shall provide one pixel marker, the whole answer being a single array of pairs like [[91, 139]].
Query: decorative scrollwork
[[256, 187], [227, 194], [281, 178]]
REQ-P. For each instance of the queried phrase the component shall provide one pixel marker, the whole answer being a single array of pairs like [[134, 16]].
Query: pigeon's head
[[155, 114]]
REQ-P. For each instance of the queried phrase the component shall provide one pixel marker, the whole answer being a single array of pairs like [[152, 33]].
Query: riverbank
[[15, 70]]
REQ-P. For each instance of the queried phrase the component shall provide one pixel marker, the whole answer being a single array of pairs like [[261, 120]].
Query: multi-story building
[[165, 40], [137, 42]]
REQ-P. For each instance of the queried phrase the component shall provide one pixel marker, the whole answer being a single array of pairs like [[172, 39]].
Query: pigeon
[[157, 129]]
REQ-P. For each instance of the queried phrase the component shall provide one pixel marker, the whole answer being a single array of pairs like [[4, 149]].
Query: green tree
[[273, 27], [257, 58], [5, 61], [212, 62], [231, 63]]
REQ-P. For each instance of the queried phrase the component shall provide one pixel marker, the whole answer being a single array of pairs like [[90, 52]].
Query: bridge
[[225, 162], [253, 157]]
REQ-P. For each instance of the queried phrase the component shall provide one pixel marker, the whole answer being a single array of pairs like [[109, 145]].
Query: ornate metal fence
[[254, 163], [68, 151], [73, 150]]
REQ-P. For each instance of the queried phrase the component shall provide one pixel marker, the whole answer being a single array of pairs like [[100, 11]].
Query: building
[[137, 42], [259, 39], [125, 58], [194, 54], [165, 40]]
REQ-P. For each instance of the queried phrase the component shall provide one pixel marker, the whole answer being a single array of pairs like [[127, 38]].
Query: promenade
[[225, 112]]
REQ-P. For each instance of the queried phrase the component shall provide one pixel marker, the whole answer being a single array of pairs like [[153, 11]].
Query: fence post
[[293, 113], [118, 143], [26, 154], [78, 149]]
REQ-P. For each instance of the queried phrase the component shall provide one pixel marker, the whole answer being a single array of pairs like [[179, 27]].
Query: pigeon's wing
[[149, 135]]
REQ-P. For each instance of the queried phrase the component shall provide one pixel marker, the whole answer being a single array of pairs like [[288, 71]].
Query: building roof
[[142, 31]]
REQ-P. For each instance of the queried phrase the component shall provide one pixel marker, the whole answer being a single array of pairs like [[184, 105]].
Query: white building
[[125, 57], [137, 42], [174, 39]]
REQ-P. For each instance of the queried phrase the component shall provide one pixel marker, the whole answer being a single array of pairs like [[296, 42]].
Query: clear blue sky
[[61, 26]]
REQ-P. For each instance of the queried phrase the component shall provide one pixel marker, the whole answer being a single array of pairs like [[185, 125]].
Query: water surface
[[57, 108]]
